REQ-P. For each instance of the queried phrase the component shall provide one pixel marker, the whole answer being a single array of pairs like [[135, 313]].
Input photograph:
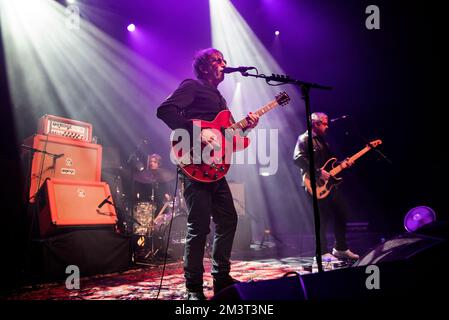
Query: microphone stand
[[54, 155], [31, 211], [305, 90]]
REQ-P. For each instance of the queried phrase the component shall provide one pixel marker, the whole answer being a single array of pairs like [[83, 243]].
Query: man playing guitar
[[200, 99], [330, 205]]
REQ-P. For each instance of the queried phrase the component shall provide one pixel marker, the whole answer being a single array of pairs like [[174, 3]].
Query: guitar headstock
[[282, 98], [375, 143]]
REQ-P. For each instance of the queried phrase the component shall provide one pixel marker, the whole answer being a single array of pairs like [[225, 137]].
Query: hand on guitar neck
[[348, 162], [209, 138], [328, 172], [325, 175], [253, 120]]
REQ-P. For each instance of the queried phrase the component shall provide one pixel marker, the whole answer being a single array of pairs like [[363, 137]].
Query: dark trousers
[[333, 208], [206, 200]]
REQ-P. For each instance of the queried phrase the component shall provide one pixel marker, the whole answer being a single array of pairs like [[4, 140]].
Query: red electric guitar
[[211, 164]]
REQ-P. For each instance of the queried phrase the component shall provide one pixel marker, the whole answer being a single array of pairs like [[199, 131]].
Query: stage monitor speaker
[[285, 288], [65, 203], [425, 243], [78, 160], [397, 279], [408, 265]]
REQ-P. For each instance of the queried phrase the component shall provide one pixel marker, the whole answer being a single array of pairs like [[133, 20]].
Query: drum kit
[[150, 222]]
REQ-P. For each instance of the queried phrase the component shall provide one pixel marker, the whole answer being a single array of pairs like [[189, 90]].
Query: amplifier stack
[[64, 177]]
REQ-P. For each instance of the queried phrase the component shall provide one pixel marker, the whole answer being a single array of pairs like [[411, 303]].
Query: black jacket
[[321, 152], [193, 99]]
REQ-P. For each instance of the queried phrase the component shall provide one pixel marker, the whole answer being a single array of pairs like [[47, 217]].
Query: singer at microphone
[[237, 69]]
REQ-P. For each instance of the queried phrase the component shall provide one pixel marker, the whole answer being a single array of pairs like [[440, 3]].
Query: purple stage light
[[276, 33], [418, 217], [131, 27]]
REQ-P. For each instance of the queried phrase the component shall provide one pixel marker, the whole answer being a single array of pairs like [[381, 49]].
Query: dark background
[[386, 80]]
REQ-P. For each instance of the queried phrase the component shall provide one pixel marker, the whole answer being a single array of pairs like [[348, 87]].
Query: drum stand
[[152, 253]]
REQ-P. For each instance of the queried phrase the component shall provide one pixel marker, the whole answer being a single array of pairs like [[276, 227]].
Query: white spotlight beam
[[241, 47], [59, 63]]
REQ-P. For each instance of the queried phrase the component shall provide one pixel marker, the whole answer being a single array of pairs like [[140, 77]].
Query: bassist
[[332, 206]]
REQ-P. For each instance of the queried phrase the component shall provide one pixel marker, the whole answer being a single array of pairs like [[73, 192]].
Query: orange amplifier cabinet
[[63, 127], [74, 204], [77, 160]]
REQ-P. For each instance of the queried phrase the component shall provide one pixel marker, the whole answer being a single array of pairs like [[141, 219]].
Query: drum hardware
[[153, 176], [155, 239]]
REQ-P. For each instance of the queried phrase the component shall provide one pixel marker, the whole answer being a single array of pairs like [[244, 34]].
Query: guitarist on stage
[[331, 206], [200, 99]]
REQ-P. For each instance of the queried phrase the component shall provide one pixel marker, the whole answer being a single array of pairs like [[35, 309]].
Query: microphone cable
[[168, 235]]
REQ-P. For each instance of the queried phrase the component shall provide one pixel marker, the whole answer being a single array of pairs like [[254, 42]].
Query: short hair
[[201, 59], [317, 117], [155, 156]]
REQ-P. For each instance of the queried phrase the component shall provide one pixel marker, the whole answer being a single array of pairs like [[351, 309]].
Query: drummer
[[153, 184]]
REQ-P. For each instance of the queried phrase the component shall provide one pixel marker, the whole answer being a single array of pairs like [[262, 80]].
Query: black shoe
[[195, 295], [220, 284]]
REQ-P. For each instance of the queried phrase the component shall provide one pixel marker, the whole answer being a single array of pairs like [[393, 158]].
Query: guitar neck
[[244, 123], [339, 168]]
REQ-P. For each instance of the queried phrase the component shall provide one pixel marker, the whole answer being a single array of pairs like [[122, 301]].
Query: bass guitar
[[324, 187]]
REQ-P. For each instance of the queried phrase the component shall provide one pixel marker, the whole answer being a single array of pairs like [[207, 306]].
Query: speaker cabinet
[[285, 288], [73, 204], [411, 265], [80, 161], [406, 246]]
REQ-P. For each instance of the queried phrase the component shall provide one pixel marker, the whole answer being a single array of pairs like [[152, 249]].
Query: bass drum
[[178, 234]]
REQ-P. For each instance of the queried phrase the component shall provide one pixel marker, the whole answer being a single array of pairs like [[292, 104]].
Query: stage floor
[[142, 281], [272, 260]]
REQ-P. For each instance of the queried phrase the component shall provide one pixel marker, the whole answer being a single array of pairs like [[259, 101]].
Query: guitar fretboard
[[244, 123], [339, 168]]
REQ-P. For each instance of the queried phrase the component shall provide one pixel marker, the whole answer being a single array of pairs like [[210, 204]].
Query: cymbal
[[154, 176]]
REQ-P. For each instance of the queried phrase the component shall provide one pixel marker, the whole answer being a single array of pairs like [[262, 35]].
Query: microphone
[[238, 69], [339, 118], [104, 202]]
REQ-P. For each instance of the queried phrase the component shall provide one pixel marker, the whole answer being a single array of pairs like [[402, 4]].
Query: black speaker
[[410, 265], [428, 243], [285, 288], [94, 251]]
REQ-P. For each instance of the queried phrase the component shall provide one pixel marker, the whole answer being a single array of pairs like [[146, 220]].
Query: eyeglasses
[[219, 60]]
